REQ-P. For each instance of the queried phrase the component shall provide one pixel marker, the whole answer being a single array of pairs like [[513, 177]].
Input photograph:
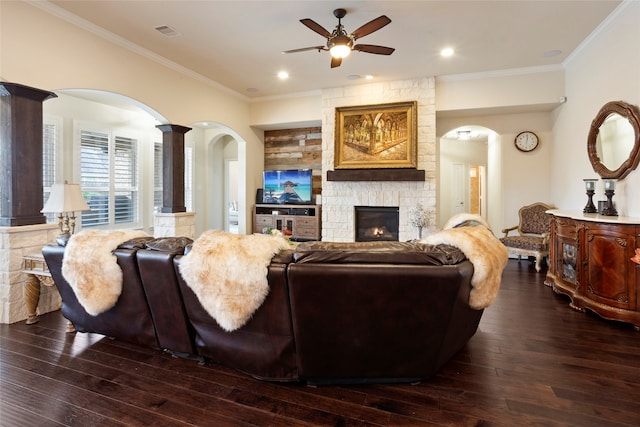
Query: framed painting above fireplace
[[376, 136]]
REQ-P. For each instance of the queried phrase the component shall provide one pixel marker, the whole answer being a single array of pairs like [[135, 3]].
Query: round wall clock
[[526, 141]]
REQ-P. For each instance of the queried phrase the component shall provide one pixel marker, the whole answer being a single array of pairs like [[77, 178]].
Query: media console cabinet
[[590, 261], [301, 222]]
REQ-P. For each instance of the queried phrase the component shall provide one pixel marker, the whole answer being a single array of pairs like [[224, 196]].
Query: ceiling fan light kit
[[340, 44]]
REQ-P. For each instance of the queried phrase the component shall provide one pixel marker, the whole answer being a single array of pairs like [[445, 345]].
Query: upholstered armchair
[[533, 233]]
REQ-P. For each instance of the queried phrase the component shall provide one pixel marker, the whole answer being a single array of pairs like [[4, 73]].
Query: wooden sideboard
[[590, 261], [301, 222]]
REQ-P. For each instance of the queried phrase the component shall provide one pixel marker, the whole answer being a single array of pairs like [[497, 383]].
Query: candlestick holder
[[609, 189], [590, 185]]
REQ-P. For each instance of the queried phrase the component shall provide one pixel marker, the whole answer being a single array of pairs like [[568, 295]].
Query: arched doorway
[[225, 167], [468, 165], [106, 142], [207, 146]]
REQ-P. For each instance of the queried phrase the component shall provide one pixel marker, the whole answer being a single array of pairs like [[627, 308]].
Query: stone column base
[[16, 242], [181, 224]]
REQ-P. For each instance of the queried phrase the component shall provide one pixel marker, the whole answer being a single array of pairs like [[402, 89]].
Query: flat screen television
[[287, 186]]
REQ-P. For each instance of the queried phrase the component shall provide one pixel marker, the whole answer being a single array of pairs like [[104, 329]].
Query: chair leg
[[538, 262]]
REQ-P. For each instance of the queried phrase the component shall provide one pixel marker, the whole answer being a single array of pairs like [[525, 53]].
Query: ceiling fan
[[340, 44]]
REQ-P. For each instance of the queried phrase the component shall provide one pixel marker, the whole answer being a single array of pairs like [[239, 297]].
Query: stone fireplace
[[339, 198], [374, 223]]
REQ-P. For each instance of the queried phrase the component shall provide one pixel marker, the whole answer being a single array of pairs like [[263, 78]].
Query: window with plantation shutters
[[157, 177], [188, 178], [109, 179], [48, 164], [125, 180]]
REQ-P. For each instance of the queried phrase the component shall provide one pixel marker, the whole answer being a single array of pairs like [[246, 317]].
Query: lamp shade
[[65, 198]]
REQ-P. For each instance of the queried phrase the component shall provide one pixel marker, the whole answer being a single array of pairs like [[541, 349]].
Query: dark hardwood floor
[[533, 361]]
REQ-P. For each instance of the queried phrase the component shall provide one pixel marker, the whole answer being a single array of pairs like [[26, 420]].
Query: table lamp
[[65, 200]]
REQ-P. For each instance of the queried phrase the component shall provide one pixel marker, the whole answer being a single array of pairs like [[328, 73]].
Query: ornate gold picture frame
[[376, 136]]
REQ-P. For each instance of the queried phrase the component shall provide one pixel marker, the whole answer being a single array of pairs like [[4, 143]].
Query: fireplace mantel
[[376, 175]]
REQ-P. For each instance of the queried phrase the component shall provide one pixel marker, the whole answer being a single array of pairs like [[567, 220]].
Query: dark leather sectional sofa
[[335, 312]]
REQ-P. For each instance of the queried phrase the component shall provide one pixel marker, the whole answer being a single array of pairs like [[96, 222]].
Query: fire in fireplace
[[376, 223]]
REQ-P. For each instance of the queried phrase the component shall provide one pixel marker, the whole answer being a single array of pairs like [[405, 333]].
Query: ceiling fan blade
[[313, 25], [335, 62], [371, 26], [372, 48], [303, 49]]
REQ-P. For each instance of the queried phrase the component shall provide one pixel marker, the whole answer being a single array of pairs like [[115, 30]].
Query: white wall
[[541, 86], [607, 68], [287, 112]]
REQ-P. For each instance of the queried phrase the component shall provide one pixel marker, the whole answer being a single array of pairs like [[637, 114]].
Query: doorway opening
[[464, 156], [231, 195]]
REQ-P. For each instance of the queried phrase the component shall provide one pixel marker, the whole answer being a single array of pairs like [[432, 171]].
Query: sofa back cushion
[[377, 253]]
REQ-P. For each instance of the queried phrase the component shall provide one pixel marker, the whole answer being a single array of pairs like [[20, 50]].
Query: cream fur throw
[[228, 274], [92, 269], [487, 254]]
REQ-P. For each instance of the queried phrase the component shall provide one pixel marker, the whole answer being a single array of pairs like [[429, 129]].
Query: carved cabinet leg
[[31, 298]]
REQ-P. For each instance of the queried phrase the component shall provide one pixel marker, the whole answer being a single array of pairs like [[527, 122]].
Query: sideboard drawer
[[566, 228]]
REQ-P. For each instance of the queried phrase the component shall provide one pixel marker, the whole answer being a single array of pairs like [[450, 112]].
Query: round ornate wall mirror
[[613, 143]]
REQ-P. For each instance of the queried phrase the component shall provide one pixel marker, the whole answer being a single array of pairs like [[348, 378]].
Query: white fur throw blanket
[[228, 274], [92, 269], [487, 254]]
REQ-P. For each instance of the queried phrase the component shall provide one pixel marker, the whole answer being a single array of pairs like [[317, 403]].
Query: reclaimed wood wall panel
[[295, 149]]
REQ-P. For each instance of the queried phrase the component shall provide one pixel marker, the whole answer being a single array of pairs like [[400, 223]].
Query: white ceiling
[[238, 44]]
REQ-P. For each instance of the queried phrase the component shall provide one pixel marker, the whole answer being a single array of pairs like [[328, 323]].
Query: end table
[[35, 267]]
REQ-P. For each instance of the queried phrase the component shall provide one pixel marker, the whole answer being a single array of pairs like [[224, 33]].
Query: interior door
[[458, 193]]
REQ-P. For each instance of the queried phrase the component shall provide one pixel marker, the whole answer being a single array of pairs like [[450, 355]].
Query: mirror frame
[[632, 113]]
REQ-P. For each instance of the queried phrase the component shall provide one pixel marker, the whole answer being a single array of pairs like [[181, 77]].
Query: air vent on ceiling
[[167, 31]]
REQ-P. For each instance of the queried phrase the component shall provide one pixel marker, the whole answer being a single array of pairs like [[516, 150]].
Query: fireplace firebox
[[376, 223]]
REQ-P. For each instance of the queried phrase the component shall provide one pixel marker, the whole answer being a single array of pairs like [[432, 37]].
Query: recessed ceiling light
[[447, 51], [252, 89], [368, 76], [353, 77], [283, 75]]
